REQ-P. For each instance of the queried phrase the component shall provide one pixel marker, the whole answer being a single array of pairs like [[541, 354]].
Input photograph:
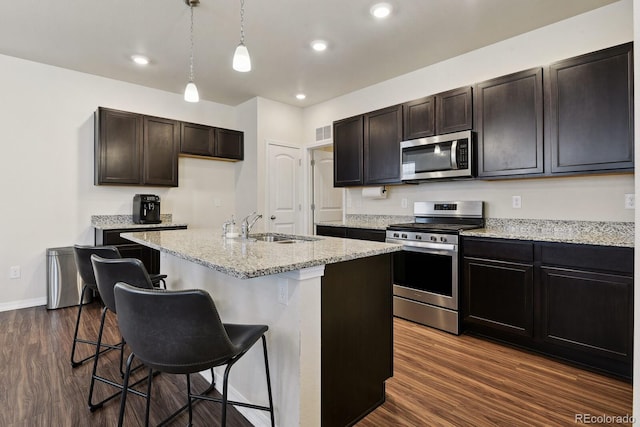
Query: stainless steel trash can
[[64, 285]]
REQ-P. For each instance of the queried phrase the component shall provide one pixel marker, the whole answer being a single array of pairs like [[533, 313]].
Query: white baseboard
[[254, 416], [26, 303]]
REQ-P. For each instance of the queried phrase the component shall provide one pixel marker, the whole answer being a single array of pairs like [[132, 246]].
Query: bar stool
[[180, 332], [107, 273], [82, 256]]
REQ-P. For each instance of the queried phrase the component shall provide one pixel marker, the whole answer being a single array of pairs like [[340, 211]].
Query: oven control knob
[[418, 237], [434, 239], [396, 234], [404, 236], [443, 239]]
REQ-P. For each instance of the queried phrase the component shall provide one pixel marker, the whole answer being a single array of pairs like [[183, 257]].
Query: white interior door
[[327, 200], [284, 189]]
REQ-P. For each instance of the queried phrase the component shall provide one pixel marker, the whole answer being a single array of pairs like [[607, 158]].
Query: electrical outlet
[[630, 201], [14, 272], [403, 203], [283, 291], [516, 202], [217, 202]]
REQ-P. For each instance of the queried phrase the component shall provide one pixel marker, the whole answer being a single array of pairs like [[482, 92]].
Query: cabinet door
[[347, 152], [161, 142], [498, 295], [590, 111], [229, 144], [587, 314], [509, 124], [419, 118], [196, 139], [382, 136], [118, 147], [454, 110]]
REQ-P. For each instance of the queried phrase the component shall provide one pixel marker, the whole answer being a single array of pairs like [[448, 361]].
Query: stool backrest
[[111, 271], [172, 331], [82, 255]]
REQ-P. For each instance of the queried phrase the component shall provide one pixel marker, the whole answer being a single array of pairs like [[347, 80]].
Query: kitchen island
[[328, 304]]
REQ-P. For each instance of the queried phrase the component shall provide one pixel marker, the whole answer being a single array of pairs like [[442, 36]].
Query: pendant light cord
[[191, 32], [241, 21]]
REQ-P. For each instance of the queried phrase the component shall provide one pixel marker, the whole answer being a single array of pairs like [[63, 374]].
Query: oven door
[[428, 275]]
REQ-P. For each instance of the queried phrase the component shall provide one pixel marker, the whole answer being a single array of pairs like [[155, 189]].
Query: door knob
[[273, 217]]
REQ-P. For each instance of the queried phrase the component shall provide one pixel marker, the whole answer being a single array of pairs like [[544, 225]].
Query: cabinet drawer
[[366, 234], [588, 257], [326, 230], [498, 249]]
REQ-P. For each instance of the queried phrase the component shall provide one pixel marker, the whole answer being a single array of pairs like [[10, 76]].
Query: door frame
[[301, 215], [309, 226]]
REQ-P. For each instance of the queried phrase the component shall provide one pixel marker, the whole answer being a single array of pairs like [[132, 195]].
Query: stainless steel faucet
[[246, 224]]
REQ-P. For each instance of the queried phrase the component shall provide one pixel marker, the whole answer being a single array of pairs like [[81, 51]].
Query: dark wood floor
[[440, 380], [446, 380]]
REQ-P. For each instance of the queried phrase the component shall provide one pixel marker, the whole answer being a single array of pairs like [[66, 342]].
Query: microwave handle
[[454, 154]]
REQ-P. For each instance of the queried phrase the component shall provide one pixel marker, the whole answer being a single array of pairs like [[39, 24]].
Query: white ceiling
[[98, 37]]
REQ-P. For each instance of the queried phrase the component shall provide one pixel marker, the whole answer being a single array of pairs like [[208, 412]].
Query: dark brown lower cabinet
[[573, 302], [357, 338], [352, 233], [128, 249]]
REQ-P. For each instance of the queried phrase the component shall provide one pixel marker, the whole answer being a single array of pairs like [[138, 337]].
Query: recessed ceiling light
[[319, 45], [301, 96], [381, 10], [140, 59]]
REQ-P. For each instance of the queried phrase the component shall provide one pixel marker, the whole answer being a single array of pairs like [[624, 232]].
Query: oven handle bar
[[425, 246]]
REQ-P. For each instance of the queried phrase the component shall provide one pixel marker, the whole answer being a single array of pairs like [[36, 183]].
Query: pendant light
[[241, 59], [191, 91]]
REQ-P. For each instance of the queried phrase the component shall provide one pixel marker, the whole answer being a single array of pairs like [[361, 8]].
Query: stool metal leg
[[93, 407], [266, 368], [125, 385]]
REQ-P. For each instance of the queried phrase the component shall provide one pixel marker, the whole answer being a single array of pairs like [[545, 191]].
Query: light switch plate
[[629, 201]]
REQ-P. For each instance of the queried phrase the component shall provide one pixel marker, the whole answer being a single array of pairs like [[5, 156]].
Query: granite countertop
[[114, 222], [374, 222], [581, 232], [248, 259]]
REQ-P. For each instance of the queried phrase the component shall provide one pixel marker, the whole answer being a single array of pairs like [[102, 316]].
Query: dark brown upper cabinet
[[160, 151], [208, 141], [419, 118], [446, 112], [118, 147], [454, 110], [133, 149], [196, 140], [229, 144], [348, 147], [509, 125], [367, 148], [382, 137], [589, 112]]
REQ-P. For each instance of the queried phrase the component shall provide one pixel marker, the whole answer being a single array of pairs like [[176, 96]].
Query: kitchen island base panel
[[337, 317]]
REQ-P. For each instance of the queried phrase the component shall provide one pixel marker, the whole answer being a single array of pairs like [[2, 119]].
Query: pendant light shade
[[241, 59], [191, 93]]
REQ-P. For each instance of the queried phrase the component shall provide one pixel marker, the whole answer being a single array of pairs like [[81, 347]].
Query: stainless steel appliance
[[146, 209], [425, 274], [436, 157]]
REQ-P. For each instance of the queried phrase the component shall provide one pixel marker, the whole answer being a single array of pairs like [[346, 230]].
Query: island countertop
[[248, 259]]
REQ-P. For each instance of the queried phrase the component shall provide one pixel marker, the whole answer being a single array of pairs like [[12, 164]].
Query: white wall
[[585, 198], [46, 169]]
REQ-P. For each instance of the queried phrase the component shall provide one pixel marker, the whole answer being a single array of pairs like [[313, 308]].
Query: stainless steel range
[[425, 274]]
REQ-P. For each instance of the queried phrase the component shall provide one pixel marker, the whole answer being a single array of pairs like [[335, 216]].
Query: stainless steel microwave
[[436, 157]]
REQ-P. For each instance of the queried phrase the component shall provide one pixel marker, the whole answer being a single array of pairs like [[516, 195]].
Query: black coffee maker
[[146, 209]]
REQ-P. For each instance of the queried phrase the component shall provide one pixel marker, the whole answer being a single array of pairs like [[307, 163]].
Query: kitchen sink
[[281, 238]]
